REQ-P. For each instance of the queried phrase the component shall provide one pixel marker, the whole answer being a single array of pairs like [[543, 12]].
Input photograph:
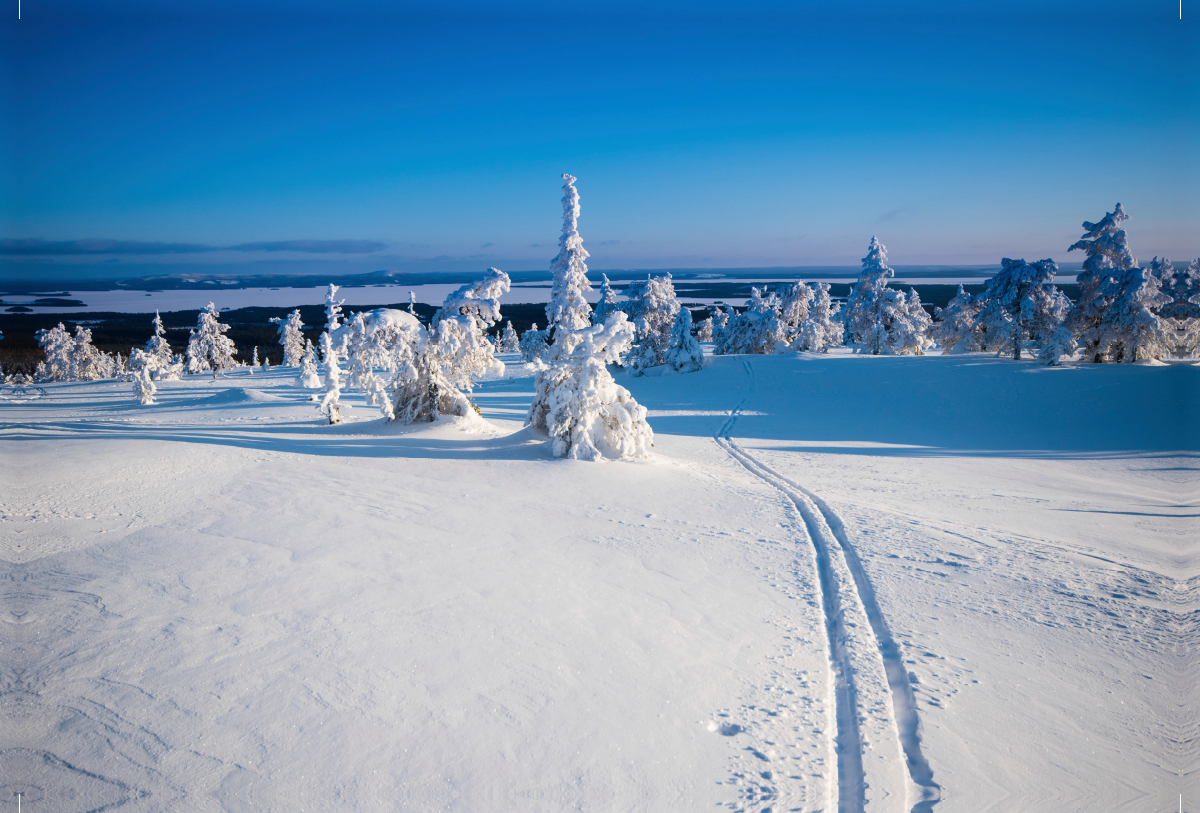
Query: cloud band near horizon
[[30, 247]]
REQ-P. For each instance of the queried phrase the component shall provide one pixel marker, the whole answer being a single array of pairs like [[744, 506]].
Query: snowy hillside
[[841, 582]]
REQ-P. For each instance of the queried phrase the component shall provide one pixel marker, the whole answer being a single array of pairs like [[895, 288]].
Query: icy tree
[[212, 346], [143, 385], [87, 363], [158, 349], [794, 305], [911, 326], [444, 366], [412, 303], [194, 363], [704, 330], [585, 412], [872, 305], [651, 306], [1060, 343], [330, 405], [57, 345], [607, 304], [756, 330], [1129, 329], [533, 343], [955, 333], [683, 351], [509, 341], [568, 307], [254, 362], [1025, 293], [291, 337], [821, 329], [333, 309], [308, 377], [1107, 253]]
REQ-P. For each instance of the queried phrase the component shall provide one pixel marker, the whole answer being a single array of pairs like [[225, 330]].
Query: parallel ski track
[[828, 536]]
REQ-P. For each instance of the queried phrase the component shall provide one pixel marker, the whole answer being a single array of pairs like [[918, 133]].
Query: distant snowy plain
[[843, 582]]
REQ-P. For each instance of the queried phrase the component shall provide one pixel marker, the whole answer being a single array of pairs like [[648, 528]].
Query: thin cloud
[[13, 247]]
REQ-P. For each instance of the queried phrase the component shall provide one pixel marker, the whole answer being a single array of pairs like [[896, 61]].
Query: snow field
[[218, 603]]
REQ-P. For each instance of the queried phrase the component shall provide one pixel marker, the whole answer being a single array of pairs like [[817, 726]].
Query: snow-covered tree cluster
[[578, 404], [804, 318], [74, 358], [880, 319]]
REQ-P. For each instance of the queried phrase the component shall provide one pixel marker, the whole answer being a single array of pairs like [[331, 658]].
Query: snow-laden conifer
[[143, 384], [683, 351], [330, 404], [755, 330], [872, 306], [87, 362], [212, 346], [254, 362], [1025, 292], [412, 303], [651, 306], [158, 349], [994, 327], [1107, 252], [533, 344], [291, 337], [911, 326], [578, 404], [794, 303], [704, 330], [1059, 345], [510, 342], [608, 302], [194, 363], [57, 345], [1130, 329], [568, 307], [955, 333], [821, 329], [308, 377], [333, 309]]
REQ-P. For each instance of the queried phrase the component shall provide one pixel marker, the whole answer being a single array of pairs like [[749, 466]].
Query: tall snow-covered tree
[[607, 304], [213, 347], [578, 404], [872, 306], [568, 307], [158, 349], [1106, 247], [291, 337], [57, 346], [683, 351], [1130, 329]]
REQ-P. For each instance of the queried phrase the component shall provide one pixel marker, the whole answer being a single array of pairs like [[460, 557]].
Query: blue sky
[[702, 135]]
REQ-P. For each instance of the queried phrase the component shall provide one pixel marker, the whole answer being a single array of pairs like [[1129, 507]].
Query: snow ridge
[[877, 727]]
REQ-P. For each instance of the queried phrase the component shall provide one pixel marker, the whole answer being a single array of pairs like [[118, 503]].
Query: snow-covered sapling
[[533, 344], [291, 337], [143, 385], [683, 351], [308, 377], [955, 333], [704, 330], [608, 302], [330, 405], [212, 346], [651, 306], [568, 308], [578, 404]]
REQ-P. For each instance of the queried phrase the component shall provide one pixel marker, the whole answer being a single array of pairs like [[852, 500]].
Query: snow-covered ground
[[842, 582]]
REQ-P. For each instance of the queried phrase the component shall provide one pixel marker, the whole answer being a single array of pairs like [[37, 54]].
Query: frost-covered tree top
[[1016, 279], [875, 263], [479, 300], [1105, 245], [568, 308]]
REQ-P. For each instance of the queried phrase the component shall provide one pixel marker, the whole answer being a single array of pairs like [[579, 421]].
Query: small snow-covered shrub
[[585, 412], [143, 385], [1019, 304]]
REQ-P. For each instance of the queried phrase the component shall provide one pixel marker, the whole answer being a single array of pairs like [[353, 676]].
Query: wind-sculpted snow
[[218, 601]]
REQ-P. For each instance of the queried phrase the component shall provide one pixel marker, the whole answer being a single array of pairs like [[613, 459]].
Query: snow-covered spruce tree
[[291, 337], [533, 344], [704, 330], [1130, 330], [213, 347], [910, 326], [578, 404], [194, 362], [755, 330], [308, 377], [651, 306], [994, 327], [608, 302], [1026, 293], [872, 306], [955, 333], [794, 303], [455, 352], [57, 345], [1107, 250], [822, 329], [683, 351], [143, 384], [331, 402], [87, 363], [254, 362], [412, 303], [158, 349], [568, 308], [510, 342], [1060, 344]]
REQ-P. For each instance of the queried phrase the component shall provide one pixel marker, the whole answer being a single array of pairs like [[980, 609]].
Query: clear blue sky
[[702, 135]]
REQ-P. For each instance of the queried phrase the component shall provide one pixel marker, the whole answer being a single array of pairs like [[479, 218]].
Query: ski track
[[877, 725]]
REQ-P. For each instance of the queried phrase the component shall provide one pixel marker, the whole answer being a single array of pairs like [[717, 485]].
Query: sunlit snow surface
[[218, 603]]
